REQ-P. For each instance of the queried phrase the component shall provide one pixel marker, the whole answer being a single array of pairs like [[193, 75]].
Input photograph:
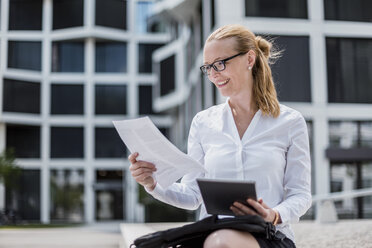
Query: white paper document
[[142, 136]]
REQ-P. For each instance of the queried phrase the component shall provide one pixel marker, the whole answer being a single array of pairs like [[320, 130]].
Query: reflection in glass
[[144, 57], [25, 14], [25, 140], [293, 85], [111, 13], [21, 96], [24, 55], [111, 100], [24, 196], [67, 99], [67, 142], [350, 134], [346, 10], [108, 143], [349, 70], [68, 13], [109, 195], [67, 195], [68, 56], [111, 57], [275, 8]]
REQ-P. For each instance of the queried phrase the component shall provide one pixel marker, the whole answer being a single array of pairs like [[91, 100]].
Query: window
[[24, 55], [67, 142], [68, 56], [111, 13], [146, 22], [67, 195], [25, 140], [68, 13], [346, 10], [25, 14], [144, 57], [109, 195], [293, 85], [21, 96], [145, 100], [67, 99], [350, 134], [108, 143], [167, 75], [111, 99], [25, 197], [276, 8], [348, 69], [111, 57]]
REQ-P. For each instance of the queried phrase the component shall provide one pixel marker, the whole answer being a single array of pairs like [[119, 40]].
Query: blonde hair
[[264, 92]]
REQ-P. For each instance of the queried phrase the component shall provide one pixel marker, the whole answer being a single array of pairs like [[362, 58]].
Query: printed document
[[142, 136]]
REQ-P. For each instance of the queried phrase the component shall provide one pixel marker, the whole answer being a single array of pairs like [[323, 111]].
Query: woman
[[249, 137]]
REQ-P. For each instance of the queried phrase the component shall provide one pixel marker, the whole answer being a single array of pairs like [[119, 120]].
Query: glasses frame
[[205, 69]]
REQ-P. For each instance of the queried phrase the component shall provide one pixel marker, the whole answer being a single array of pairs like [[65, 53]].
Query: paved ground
[[309, 234], [97, 236]]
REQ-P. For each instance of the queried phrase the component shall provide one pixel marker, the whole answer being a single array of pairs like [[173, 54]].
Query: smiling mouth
[[222, 83]]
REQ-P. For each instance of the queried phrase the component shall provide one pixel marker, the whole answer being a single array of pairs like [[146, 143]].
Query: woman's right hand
[[142, 171]]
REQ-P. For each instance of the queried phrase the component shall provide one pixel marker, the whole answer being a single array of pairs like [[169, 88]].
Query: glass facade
[[109, 195], [67, 142], [68, 56], [167, 75], [68, 13], [111, 13], [67, 195], [111, 57], [21, 96], [24, 55], [24, 197], [276, 8], [111, 100], [346, 10], [108, 143], [25, 14], [145, 100], [144, 57], [349, 71], [24, 139], [293, 85], [67, 99]]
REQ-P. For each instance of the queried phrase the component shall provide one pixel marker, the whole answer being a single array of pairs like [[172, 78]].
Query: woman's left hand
[[267, 213]]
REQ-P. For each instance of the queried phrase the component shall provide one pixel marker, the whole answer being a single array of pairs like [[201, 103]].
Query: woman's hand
[[267, 213], [142, 172]]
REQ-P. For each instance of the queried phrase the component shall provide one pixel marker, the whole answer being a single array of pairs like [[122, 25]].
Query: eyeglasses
[[218, 65]]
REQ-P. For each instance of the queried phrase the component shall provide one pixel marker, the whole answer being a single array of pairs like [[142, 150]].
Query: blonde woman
[[249, 137]]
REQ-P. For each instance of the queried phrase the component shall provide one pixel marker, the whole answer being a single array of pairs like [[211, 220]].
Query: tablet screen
[[219, 195]]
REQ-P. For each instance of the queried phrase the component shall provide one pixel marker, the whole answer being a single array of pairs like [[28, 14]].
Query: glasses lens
[[205, 69], [219, 65]]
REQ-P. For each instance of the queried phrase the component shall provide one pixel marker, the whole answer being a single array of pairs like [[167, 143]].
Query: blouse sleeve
[[297, 176], [185, 194]]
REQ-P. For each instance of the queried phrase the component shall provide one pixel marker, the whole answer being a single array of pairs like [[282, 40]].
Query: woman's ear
[[251, 59]]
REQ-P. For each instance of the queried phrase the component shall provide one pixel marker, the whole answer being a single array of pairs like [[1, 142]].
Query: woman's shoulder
[[210, 117], [288, 113]]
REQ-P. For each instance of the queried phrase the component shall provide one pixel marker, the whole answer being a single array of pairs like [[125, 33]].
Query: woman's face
[[234, 79]]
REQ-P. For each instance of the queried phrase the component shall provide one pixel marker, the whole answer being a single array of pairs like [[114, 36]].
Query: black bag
[[193, 235]]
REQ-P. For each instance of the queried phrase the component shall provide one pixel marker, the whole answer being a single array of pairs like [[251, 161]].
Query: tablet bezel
[[219, 194]]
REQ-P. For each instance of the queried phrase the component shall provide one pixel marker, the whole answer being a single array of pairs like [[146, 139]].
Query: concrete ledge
[[309, 234]]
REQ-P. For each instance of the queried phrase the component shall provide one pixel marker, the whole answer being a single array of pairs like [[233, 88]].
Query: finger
[[260, 210], [263, 204], [243, 208], [236, 211], [142, 164], [132, 157], [140, 171]]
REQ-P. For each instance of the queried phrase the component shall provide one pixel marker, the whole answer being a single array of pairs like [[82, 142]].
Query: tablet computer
[[219, 194]]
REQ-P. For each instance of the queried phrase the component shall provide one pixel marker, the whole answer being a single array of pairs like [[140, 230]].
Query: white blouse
[[274, 152]]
